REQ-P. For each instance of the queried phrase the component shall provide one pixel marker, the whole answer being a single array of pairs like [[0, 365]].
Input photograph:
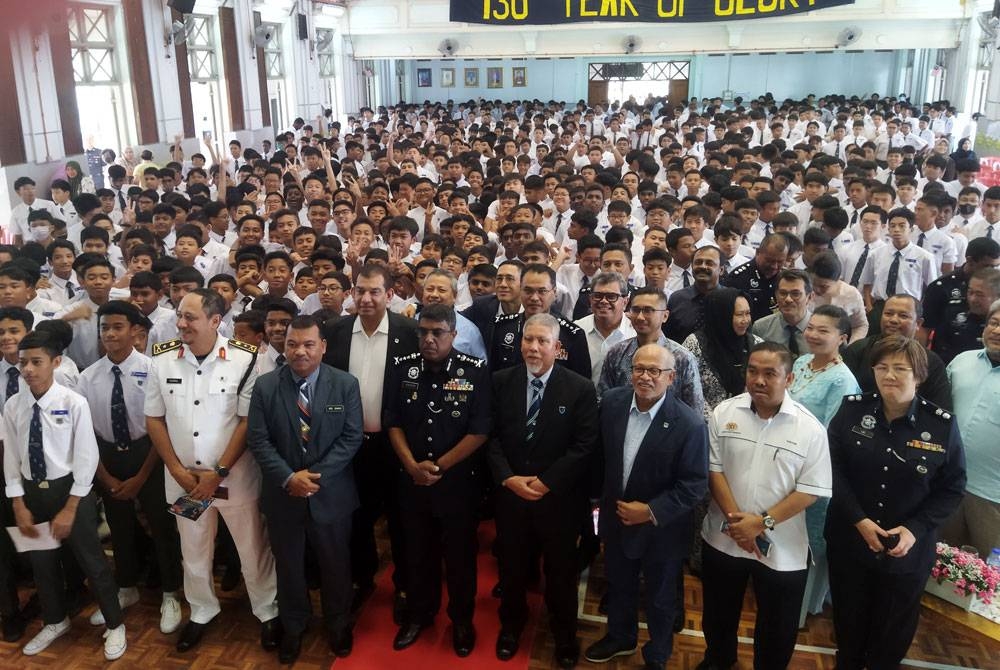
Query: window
[[201, 48], [272, 53], [91, 41], [324, 52], [663, 71]]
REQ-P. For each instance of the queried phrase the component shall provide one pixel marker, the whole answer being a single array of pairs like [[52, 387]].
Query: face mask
[[966, 210], [39, 233]]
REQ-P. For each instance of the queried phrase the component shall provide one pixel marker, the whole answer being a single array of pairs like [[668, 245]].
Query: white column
[[162, 71], [36, 94]]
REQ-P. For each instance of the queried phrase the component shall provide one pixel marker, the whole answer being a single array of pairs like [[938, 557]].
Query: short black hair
[[21, 314], [40, 340]]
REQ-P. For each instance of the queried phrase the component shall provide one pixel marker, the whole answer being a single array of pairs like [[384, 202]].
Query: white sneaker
[[126, 598], [170, 614], [114, 642], [46, 636]]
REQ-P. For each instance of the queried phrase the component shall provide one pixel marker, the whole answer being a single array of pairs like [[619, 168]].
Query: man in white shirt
[[898, 267], [931, 238], [989, 225], [25, 189], [606, 325], [755, 528]]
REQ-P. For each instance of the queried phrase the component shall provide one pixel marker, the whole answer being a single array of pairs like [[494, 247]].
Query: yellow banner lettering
[[676, 8], [609, 8], [586, 12], [724, 7], [628, 6], [741, 9], [769, 5], [519, 14]]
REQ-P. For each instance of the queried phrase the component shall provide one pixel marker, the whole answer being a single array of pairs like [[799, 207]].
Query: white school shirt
[[917, 269]]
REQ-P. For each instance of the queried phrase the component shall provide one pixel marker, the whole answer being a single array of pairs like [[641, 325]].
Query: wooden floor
[[232, 640]]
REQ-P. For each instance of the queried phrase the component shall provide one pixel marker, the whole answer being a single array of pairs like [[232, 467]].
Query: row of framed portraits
[[494, 77]]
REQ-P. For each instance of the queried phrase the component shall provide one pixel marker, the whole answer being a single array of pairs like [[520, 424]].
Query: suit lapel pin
[[562, 409], [666, 424], [396, 340]]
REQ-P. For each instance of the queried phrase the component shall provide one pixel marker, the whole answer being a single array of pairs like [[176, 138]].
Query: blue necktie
[[302, 402], [119, 415], [13, 374], [859, 268], [36, 454], [535, 407], [890, 284]]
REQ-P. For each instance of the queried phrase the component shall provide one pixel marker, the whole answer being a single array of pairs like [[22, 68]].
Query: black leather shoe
[[288, 650], [567, 656], [13, 627], [463, 639], [361, 594], [707, 665], [407, 635], [342, 642], [400, 608], [507, 643], [270, 634], [652, 666], [607, 648], [191, 635]]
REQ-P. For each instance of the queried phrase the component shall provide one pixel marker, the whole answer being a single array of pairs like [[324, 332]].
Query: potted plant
[[959, 576]]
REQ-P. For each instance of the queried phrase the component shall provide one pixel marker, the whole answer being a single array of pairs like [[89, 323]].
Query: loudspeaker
[[182, 6], [303, 27]]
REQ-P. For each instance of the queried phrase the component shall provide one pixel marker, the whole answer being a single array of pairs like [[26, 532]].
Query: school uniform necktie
[[582, 306], [536, 406], [890, 284], [36, 454], [121, 201], [119, 414], [302, 402], [854, 217], [989, 232], [13, 375], [859, 268], [70, 291], [280, 360], [686, 278], [921, 239]]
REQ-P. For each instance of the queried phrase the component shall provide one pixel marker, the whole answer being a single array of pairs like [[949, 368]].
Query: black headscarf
[[725, 351]]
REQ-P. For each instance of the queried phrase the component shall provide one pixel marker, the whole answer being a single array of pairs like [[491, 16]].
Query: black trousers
[[437, 527], [121, 516], [375, 471], [44, 500], [875, 612], [779, 598], [289, 535], [552, 526], [9, 603]]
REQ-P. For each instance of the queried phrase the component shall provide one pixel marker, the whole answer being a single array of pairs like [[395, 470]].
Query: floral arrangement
[[969, 573]]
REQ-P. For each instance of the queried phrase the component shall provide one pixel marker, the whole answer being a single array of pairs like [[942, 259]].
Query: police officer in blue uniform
[[438, 415], [898, 474], [759, 278]]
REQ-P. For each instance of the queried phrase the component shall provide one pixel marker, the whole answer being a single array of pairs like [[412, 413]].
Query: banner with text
[[545, 12]]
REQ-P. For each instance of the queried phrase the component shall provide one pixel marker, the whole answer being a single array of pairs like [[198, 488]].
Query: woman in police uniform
[[898, 473]]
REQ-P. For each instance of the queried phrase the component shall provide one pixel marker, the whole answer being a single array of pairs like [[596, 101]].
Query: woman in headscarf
[[722, 345], [964, 151], [79, 181]]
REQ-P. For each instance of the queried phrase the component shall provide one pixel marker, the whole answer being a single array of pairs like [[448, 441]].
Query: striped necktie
[[302, 402], [535, 408]]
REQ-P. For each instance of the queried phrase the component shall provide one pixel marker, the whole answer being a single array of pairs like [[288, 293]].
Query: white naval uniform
[[202, 405]]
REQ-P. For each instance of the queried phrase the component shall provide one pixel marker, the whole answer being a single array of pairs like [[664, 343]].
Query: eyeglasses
[[329, 288], [896, 370], [530, 291], [436, 333], [652, 373], [644, 311], [611, 298]]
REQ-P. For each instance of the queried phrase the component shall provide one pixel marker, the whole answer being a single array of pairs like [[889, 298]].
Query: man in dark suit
[[304, 429], [655, 472], [545, 432], [438, 415], [485, 310], [365, 345]]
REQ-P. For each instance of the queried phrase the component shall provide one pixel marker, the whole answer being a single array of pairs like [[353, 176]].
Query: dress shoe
[[361, 594], [507, 643], [13, 627], [190, 635], [708, 665], [400, 608], [407, 635], [288, 650], [270, 634], [342, 642], [607, 648], [567, 656], [463, 639], [649, 665]]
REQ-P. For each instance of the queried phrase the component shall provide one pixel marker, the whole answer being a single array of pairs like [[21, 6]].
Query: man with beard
[[758, 279]]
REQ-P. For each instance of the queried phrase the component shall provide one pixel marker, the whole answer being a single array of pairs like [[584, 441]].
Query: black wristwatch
[[222, 471], [768, 521]]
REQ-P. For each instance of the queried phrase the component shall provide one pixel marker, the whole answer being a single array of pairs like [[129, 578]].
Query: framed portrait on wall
[[472, 77], [447, 77], [494, 77], [423, 77], [519, 76]]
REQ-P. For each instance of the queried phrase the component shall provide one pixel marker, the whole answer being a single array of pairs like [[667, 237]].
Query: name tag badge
[[174, 380], [139, 373], [334, 408], [59, 412], [861, 431]]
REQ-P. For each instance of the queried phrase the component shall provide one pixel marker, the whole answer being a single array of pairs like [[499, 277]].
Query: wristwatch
[[768, 521], [222, 471]]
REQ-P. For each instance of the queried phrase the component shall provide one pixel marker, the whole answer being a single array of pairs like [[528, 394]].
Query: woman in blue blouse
[[821, 380]]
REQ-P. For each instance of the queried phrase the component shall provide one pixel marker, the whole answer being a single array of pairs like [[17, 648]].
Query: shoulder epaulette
[[507, 317], [471, 360], [745, 267], [399, 360], [939, 412], [164, 347], [244, 346], [569, 325], [858, 397]]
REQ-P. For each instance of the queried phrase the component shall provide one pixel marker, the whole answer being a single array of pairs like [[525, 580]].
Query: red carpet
[[375, 630]]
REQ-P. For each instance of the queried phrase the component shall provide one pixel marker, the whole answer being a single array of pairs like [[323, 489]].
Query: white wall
[[547, 79]]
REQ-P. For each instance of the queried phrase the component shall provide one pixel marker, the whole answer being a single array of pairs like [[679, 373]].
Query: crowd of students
[[842, 231]]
